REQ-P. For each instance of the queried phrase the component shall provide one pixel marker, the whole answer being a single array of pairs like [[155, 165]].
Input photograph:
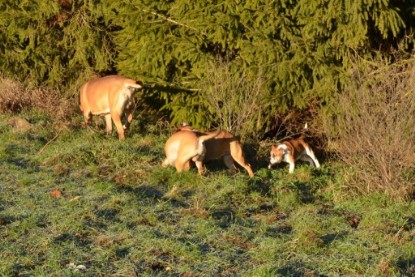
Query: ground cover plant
[[77, 203]]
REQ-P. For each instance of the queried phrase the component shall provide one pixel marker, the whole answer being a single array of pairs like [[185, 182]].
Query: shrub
[[234, 98], [15, 97], [375, 127]]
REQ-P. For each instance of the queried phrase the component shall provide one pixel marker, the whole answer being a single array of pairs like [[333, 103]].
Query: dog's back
[[227, 146], [183, 146], [177, 145], [220, 145]]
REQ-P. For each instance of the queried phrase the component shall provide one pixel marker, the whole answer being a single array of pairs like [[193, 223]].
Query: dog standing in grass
[[227, 146], [292, 150], [112, 97], [185, 146], [221, 145]]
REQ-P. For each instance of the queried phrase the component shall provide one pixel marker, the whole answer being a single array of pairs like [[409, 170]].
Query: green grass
[[121, 214]]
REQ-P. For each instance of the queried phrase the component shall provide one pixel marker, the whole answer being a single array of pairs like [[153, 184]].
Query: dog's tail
[[200, 148], [198, 154], [209, 136], [303, 133]]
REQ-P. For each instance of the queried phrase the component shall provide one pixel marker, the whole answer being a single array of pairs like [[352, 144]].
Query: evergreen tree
[[53, 42], [302, 48]]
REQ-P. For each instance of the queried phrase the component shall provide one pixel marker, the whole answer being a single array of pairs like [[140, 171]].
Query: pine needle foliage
[[303, 47], [53, 42]]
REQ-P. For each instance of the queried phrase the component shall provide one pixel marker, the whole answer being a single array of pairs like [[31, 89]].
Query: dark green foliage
[[53, 42], [302, 47]]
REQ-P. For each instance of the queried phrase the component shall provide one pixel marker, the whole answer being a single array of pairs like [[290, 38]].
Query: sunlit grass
[[91, 205]]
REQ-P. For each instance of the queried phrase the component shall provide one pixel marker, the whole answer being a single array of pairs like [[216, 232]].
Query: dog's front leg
[[199, 165], [290, 160], [292, 166]]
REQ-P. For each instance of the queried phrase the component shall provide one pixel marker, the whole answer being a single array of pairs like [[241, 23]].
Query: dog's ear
[[274, 146]]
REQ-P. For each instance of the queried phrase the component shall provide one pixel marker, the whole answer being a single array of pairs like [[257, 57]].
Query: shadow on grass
[[7, 219], [306, 192], [103, 218], [297, 269], [406, 266], [278, 231], [110, 214], [149, 193], [17, 269], [13, 152], [146, 192], [329, 238], [224, 217], [79, 239], [256, 185], [122, 252], [156, 263]]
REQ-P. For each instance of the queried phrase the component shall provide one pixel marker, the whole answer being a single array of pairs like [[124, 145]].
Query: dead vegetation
[[16, 97], [375, 128], [234, 99]]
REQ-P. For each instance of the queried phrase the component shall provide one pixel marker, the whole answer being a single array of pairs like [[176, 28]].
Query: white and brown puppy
[[185, 146], [110, 96], [223, 145], [291, 151]]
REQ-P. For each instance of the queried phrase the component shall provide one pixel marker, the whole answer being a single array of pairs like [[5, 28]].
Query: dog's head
[[278, 153]]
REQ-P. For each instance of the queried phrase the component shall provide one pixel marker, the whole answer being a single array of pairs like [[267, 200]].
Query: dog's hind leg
[[245, 165], [180, 165], [165, 162], [241, 162], [108, 123], [186, 166], [238, 156], [310, 153], [308, 159], [229, 163], [199, 165], [87, 117], [128, 112]]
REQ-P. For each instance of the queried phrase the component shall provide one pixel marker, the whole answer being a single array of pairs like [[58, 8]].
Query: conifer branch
[[175, 22]]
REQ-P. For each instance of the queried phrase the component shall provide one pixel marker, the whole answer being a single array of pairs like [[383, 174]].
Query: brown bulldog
[[223, 145], [185, 146], [112, 97]]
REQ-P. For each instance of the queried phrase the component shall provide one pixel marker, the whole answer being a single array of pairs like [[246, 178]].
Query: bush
[[234, 98], [375, 127], [15, 97]]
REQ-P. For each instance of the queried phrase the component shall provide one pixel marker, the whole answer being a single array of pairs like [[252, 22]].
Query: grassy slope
[[121, 214]]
